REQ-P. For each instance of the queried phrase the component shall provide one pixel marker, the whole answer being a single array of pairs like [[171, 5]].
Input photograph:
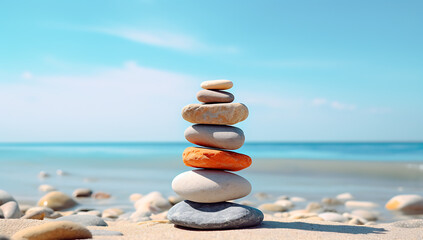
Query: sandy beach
[[271, 228]]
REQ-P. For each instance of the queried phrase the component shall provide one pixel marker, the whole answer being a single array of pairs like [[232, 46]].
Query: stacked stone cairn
[[208, 189]]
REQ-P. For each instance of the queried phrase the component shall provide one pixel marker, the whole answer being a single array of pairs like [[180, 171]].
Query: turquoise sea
[[370, 171]]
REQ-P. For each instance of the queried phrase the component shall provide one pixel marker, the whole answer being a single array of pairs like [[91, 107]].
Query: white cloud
[[166, 39], [126, 103], [26, 75], [379, 110], [342, 106], [300, 63], [319, 101]]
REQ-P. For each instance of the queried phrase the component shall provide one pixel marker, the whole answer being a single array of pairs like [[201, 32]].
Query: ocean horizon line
[[185, 143]]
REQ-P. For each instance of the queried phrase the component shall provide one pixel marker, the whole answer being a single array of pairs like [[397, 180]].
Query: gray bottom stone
[[86, 220], [223, 215]]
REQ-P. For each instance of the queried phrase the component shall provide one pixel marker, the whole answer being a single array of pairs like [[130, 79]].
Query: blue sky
[[123, 70]]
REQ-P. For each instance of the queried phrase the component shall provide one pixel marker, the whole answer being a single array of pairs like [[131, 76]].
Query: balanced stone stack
[[207, 190]]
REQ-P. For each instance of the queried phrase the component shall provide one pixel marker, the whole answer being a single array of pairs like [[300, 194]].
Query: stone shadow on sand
[[322, 227], [348, 229]]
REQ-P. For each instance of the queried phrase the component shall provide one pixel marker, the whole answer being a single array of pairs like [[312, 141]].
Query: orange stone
[[215, 159]]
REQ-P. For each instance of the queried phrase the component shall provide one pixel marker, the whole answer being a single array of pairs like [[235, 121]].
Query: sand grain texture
[[271, 228]]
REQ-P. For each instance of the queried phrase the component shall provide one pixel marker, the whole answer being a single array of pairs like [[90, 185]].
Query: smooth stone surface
[[11, 210], [38, 213], [46, 188], [215, 159], [210, 186], [53, 231], [345, 196], [101, 232], [112, 213], [215, 136], [219, 113], [82, 192], [360, 204], [140, 216], [287, 204], [215, 96], [333, 217], [175, 199], [368, 215], [220, 84], [101, 195], [56, 201], [135, 196], [271, 207], [5, 197], [153, 202], [86, 220], [224, 215], [409, 204]]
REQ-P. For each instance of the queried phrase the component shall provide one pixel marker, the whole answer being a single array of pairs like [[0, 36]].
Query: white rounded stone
[[210, 186], [409, 204]]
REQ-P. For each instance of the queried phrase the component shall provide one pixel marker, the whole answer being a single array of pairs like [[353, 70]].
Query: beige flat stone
[[217, 84], [220, 113]]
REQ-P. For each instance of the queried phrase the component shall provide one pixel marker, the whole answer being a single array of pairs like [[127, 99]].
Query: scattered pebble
[[297, 199], [357, 221], [314, 207], [271, 207], [11, 210], [5, 197], [53, 231], [261, 195], [287, 204], [140, 216], [345, 196], [152, 202], [86, 220], [82, 192], [46, 188], [360, 204], [43, 174], [135, 196], [101, 195], [56, 200], [247, 203], [102, 232], [112, 213], [332, 201], [332, 217], [60, 172], [38, 213], [409, 204], [368, 215], [175, 199]]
